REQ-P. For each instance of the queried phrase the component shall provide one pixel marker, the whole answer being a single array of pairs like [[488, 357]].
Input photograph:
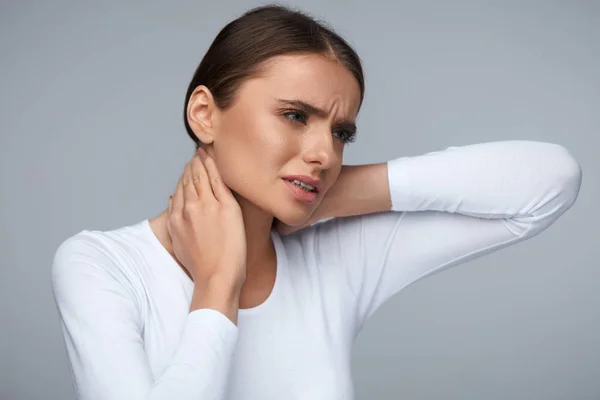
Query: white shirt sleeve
[[449, 207], [101, 322]]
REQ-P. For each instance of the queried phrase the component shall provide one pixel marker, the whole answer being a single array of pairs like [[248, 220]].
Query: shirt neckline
[[281, 266]]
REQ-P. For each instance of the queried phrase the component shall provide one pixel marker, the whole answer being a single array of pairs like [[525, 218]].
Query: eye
[[301, 117], [346, 137]]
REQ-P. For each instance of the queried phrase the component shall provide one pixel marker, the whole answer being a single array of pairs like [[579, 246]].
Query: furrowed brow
[[319, 112]]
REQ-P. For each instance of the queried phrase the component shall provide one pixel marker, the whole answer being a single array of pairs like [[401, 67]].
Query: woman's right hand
[[206, 227]]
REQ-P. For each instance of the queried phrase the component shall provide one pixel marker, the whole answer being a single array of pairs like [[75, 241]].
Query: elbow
[[570, 175], [564, 175]]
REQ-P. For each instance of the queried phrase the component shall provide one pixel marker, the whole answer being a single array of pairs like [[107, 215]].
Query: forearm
[[502, 179], [495, 179], [490, 180]]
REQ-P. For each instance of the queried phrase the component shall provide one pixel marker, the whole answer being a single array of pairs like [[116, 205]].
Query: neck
[[257, 224]]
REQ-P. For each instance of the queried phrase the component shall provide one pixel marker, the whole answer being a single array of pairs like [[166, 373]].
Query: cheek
[[270, 145], [253, 132], [252, 152]]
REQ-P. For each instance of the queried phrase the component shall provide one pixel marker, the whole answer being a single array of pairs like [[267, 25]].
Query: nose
[[320, 150]]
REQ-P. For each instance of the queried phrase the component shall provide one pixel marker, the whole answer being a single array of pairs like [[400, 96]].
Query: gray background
[[92, 138]]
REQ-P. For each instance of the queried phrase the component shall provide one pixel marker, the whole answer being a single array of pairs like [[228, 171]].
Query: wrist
[[218, 294], [333, 203], [229, 284], [360, 189]]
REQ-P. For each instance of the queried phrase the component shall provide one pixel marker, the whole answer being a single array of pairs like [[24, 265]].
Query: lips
[[300, 194], [316, 183]]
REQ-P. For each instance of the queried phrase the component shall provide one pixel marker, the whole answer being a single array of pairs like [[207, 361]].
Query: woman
[[208, 301]]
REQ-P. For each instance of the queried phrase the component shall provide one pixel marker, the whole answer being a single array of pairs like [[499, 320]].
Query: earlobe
[[200, 114]]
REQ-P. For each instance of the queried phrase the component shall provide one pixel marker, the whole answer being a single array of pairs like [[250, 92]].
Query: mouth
[[302, 185], [300, 191], [305, 182]]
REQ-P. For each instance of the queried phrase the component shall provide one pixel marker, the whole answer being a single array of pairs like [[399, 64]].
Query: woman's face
[[269, 136]]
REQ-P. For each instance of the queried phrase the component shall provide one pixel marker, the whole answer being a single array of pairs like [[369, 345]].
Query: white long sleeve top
[[124, 302]]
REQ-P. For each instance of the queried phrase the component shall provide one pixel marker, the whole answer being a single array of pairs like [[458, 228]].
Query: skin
[[258, 141]]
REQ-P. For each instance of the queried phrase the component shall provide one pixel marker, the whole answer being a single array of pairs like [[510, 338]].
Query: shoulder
[[96, 259], [101, 249]]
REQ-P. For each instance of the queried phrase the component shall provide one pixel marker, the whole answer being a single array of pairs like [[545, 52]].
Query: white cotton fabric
[[124, 301]]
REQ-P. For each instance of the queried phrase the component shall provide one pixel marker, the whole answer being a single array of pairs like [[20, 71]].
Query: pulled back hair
[[241, 47]]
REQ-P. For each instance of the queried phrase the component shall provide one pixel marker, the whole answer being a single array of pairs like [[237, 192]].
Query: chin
[[293, 216], [292, 220]]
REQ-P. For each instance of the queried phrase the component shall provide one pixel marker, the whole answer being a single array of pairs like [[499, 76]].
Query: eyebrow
[[310, 109]]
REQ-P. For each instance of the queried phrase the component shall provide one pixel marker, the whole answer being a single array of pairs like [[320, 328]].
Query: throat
[[259, 283]]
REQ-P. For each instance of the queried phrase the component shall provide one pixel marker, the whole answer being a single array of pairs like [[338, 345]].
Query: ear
[[201, 114]]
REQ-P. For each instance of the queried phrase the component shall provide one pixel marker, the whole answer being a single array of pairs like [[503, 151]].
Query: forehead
[[312, 78]]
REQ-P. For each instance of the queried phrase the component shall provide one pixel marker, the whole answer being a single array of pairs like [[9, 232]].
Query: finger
[[189, 189], [222, 192], [177, 201], [205, 192], [169, 210]]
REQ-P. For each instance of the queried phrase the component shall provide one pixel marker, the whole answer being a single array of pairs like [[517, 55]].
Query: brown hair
[[245, 43]]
